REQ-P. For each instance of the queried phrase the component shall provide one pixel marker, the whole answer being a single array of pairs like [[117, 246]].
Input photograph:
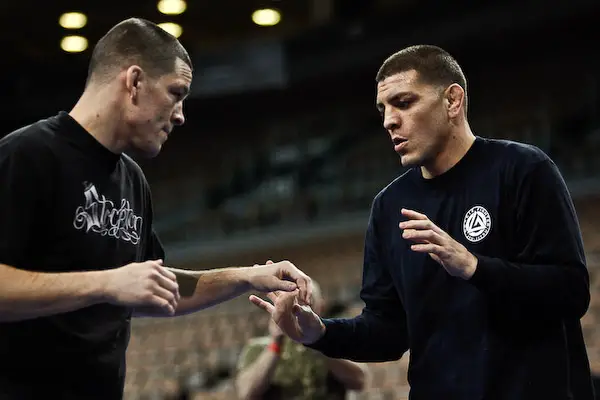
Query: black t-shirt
[[511, 332], [69, 204]]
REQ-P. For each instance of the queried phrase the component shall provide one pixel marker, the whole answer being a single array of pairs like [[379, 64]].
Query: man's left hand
[[429, 238]]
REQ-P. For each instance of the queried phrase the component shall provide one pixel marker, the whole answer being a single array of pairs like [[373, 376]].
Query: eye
[[178, 94], [402, 104]]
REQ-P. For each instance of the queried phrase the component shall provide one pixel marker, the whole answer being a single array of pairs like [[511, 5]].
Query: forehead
[[402, 82], [182, 74]]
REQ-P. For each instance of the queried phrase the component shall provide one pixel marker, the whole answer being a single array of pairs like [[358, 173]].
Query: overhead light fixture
[[266, 17], [171, 7], [74, 44], [72, 20], [173, 28]]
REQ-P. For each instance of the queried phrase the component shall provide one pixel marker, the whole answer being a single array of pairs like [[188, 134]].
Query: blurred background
[[283, 150]]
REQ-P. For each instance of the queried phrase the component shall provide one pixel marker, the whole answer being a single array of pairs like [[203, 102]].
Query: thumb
[[303, 313]]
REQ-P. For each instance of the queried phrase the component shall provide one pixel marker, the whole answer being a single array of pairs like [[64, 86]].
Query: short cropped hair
[[136, 41], [434, 66]]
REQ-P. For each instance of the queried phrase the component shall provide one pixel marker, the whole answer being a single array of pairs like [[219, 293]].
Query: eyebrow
[[395, 96]]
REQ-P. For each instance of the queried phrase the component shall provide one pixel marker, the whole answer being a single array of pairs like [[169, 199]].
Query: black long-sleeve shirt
[[510, 332]]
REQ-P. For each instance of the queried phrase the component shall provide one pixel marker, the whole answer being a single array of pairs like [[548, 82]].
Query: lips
[[399, 143]]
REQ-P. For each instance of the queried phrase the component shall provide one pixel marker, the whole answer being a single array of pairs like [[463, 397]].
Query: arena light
[[171, 7], [266, 17], [72, 20], [173, 28], [74, 44]]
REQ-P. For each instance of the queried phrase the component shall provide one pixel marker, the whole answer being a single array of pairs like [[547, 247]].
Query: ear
[[134, 77], [455, 98]]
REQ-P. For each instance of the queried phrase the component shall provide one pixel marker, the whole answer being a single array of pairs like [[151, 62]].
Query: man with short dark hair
[[78, 252], [473, 259]]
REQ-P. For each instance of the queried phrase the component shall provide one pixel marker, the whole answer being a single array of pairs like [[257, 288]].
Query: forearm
[[27, 295], [252, 382], [366, 338], [548, 290], [212, 287], [352, 375]]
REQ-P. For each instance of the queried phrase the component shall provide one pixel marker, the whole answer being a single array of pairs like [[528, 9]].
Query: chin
[[410, 160], [153, 152], [147, 152]]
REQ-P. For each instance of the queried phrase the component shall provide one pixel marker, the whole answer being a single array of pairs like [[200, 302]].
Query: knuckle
[[155, 274]]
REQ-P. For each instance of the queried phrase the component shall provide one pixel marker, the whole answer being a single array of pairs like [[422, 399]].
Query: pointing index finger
[[412, 214]]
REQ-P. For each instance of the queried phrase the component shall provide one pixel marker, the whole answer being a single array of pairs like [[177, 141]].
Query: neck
[[458, 144], [97, 112]]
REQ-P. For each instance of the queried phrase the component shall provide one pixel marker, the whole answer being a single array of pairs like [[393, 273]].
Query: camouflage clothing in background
[[301, 373]]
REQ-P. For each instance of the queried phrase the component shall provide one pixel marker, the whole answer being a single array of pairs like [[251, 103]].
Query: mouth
[[399, 143]]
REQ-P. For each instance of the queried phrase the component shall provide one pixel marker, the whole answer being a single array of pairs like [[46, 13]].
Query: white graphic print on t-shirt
[[100, 215]]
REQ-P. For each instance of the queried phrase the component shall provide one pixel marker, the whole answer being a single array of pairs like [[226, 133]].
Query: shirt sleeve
[[24, 196], [548, 277], [380, 332]]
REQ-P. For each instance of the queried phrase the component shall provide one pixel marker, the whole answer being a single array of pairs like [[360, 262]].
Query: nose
[[391, 120], [178, 118]]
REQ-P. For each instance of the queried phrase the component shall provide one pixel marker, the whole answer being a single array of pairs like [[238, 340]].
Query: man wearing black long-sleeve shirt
[[473, 258]]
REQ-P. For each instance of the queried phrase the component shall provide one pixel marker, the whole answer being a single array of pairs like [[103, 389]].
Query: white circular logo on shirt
[[477, 224]]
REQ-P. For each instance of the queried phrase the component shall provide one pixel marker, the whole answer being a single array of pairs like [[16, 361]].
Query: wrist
[[244, 276], [471, 267], [100, 287], [320, 335], [323, 329]]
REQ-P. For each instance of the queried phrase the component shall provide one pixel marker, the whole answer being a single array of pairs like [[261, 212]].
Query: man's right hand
[[280, 276], [298, 322], [146, 284]]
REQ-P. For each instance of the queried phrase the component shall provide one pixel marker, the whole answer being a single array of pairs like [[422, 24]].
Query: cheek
[[430, 123], [163, 112]]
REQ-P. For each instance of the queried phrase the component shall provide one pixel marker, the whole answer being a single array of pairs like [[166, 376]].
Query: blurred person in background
[[78, 252], [473, 258], [274, 367]]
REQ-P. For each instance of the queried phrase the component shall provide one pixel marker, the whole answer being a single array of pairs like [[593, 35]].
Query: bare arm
[[351, 374], [253, 380], [210, 287], [26, 295], [215, 286]]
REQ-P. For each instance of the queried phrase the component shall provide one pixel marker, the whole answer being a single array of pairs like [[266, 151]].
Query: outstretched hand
[[299, 322]]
